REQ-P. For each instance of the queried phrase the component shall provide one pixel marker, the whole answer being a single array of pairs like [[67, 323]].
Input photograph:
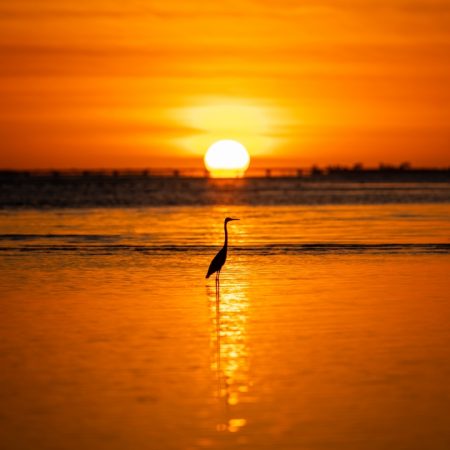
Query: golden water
[[130, 347]]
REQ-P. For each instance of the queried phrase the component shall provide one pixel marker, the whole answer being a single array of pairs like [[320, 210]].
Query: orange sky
[[144, 83]]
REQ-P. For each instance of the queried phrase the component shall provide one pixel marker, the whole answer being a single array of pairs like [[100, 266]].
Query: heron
[[219, 260]]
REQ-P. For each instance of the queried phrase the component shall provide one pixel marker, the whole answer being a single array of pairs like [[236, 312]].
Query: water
[[135, 191], [331, 329]]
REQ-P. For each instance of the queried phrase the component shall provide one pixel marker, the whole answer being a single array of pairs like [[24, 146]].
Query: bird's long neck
[[225, 244]]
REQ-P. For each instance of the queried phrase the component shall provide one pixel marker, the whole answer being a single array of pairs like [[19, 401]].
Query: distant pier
[[356, 173]]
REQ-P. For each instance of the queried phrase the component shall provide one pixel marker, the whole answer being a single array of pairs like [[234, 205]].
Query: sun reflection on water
[[229, 314]]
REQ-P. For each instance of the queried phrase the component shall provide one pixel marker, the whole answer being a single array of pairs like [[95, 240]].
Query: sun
[[227, 158]]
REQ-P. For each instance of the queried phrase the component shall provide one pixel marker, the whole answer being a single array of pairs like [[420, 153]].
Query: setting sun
[[227, 158]]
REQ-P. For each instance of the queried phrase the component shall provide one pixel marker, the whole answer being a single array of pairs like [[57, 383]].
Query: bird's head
[[229, 219]]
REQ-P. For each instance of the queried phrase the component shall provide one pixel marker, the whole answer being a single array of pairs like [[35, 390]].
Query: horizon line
[[405, 166]]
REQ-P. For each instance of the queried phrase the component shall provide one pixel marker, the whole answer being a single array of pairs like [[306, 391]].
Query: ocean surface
[[102, 190], [329, 329]]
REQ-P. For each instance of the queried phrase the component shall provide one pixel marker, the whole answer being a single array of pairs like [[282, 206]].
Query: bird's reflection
[[229, 307]]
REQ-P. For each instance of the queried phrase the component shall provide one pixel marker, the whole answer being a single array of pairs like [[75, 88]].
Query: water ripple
[[272, 249]]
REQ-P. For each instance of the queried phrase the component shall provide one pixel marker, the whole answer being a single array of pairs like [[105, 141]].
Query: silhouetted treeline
[[383, 173]]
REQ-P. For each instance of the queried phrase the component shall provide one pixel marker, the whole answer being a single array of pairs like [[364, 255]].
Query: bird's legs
[[217, 291], [217, 281]]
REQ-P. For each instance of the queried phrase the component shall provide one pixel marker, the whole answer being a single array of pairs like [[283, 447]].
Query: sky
[[105, 84]]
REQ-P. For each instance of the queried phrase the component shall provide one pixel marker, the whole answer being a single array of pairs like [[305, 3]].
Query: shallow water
[[203, 226], [331, 329]]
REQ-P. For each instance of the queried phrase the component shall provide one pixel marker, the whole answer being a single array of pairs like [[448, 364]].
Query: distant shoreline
[[355, 174]]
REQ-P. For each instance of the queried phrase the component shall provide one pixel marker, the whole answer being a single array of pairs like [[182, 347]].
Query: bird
[[219, 260]]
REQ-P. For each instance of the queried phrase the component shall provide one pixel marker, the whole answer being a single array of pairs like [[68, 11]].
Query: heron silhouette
[[219, 260]]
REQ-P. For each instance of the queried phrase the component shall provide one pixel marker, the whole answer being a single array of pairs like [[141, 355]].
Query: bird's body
[[219, 260]]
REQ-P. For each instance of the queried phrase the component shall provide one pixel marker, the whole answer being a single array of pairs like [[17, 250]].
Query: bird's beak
[[235, 219]]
